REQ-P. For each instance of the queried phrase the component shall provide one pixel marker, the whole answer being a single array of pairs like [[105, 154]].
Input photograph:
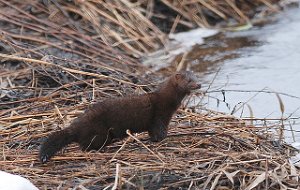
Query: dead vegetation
[[58, 56]]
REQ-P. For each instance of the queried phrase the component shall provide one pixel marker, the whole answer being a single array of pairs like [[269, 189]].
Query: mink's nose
[[199, 86], [196, 86]]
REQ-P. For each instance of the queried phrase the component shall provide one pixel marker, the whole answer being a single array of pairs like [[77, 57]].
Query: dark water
[[249, 66]]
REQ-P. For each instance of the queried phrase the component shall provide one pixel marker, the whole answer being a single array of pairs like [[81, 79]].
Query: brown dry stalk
[[58, 58]]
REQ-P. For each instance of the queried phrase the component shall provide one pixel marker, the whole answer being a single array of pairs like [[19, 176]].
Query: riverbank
[[57, 58]]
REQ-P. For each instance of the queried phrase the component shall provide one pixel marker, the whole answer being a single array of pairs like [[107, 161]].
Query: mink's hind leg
[[158, 131], [95, 142]]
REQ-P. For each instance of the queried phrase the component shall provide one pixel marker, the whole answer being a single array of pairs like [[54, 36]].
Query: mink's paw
[[158, 134], [157, 138], [44, 158]]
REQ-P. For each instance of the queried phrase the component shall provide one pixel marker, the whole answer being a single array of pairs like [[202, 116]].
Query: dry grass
[[124, 24], [54, 64], [202, 150]]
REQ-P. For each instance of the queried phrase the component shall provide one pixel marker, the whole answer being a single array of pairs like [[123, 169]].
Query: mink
[[105, 121]]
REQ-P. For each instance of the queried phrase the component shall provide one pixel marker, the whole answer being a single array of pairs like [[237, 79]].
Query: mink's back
[[117, 115]]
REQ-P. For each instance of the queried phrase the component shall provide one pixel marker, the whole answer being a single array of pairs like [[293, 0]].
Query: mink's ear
[[178, 76]]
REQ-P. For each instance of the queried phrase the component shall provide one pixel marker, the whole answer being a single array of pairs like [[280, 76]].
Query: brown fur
[[110, 119]]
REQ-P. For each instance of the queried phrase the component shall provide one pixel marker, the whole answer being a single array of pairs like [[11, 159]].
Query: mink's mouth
[[195, 86]]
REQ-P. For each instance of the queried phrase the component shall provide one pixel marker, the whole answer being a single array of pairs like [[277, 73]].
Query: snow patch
[[178, 43], [15, 182]]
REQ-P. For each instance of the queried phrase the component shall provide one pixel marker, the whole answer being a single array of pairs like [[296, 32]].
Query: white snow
[[296, 145], [178, 43], [14, 182], [296, 159], [186, 40]]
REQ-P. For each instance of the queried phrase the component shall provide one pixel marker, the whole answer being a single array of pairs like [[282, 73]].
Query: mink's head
[[186, 81]]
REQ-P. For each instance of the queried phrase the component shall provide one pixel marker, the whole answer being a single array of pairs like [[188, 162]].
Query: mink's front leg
[[158, 131]]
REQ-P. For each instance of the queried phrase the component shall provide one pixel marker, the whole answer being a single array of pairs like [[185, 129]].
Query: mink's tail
[[55, 142]]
